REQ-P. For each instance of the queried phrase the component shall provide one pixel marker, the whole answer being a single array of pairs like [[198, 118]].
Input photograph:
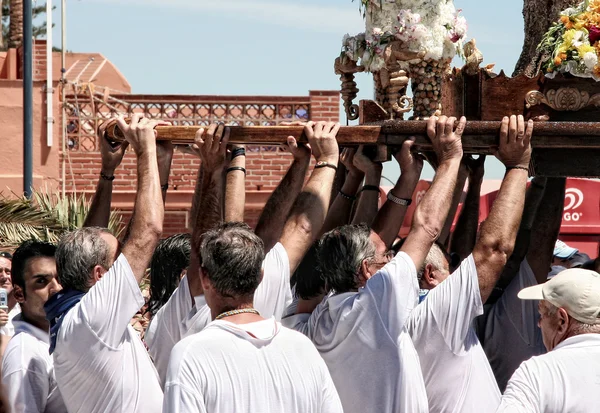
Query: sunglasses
[[6, 255]]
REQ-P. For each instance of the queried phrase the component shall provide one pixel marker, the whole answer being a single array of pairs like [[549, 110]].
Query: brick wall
[[266, 167]]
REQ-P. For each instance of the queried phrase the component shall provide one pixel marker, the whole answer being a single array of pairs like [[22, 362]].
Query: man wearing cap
[[566, 379], [562, 254]]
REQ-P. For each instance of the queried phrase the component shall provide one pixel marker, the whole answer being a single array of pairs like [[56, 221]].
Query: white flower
[[377, 31], [377, 64], [590, 59], [578, 39]]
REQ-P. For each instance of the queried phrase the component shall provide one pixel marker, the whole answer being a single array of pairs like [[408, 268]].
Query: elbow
[[496, 250], [427, 225]]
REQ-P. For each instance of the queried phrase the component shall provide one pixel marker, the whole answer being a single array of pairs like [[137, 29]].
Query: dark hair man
[[100, 363], [242, 362], [12, 309], [27, 367]]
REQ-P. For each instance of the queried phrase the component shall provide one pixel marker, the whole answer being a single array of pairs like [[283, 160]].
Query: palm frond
[[45, 217]]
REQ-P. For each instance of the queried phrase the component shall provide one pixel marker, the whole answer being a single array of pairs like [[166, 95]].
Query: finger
[[462, 124], [336, 129], [504, 130], [449, 126], [512, 129], [225, 140], [309, 130], [329, 127], [520, 127], [198, 138], [121, 123], [528, 133], [210, 135], [408, 144], [431, 125], [217, 140], [135, 119], [319, 128], [292, 143], [441, 125]]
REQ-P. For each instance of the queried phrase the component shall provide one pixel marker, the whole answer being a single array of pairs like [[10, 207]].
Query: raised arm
[[498, 233], [212, 144], [165, 158], [368, 201], [148, 211], [235, 187], [341, 209], [389, 219], [456, 197], [112, 155], [546, 228], [431, 213], [465, 233], [310, 209], [271, 221]]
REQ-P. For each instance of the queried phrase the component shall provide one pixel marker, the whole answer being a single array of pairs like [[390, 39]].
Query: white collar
[[581, 340], [24, 327]]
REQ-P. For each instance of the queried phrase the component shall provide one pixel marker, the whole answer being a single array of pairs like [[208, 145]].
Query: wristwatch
[[398, 201]]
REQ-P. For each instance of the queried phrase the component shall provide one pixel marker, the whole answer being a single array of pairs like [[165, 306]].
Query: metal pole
[[27, 98], [63, 85]]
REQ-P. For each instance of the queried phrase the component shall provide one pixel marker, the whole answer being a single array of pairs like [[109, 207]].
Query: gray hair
[[231, 256], [437, 258], [577, 327], [341, 253], [77, 254]]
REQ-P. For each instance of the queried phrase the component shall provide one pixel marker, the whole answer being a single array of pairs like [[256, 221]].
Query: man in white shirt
[[242, 362], [359, 328], [457, 374], [27, 367], [8, 313], [565, 379], [186, 312], [100, 363]]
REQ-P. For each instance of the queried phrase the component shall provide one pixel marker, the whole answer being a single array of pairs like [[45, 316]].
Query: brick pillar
[[40, 60], [325, 105]]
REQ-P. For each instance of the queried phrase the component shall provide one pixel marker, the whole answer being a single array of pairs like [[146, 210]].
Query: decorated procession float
[[414, 41]]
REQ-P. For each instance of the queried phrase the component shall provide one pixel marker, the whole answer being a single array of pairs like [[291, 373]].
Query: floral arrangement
[[573, 43], [433, 27]]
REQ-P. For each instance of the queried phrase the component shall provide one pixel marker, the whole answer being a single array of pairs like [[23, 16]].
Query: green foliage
[[45, 217], [38, 30]]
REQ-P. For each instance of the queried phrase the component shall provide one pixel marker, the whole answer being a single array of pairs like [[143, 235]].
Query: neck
[[38, 322], [228, 305]]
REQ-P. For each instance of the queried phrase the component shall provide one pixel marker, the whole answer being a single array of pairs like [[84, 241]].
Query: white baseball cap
[[576, 290]]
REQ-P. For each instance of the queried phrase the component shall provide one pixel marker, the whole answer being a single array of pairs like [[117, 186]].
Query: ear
[[19, 294], [97, 273], [429, 281], [562, 322], [363, 273], [204, 280]]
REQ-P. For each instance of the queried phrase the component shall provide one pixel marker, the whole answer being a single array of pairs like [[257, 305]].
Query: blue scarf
[[423, 295], [56, 308]]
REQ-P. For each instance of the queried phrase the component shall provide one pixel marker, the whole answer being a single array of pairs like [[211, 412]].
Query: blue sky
[[247, 47]]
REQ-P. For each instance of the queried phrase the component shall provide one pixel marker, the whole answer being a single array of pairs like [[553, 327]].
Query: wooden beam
[[479, 136]]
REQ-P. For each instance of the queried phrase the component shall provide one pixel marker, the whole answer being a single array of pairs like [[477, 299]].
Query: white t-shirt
[[362, 338], [101, 365], [28, 372], [9, 329], [565, 380], [511, 333], [255, 367], [180, 317], [457, 374]]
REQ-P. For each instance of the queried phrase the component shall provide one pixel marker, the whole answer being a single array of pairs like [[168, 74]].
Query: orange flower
[[567, 22], [597, 70], [557, 61]]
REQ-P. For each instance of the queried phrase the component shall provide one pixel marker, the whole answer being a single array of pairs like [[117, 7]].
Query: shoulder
[[25, 352]]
